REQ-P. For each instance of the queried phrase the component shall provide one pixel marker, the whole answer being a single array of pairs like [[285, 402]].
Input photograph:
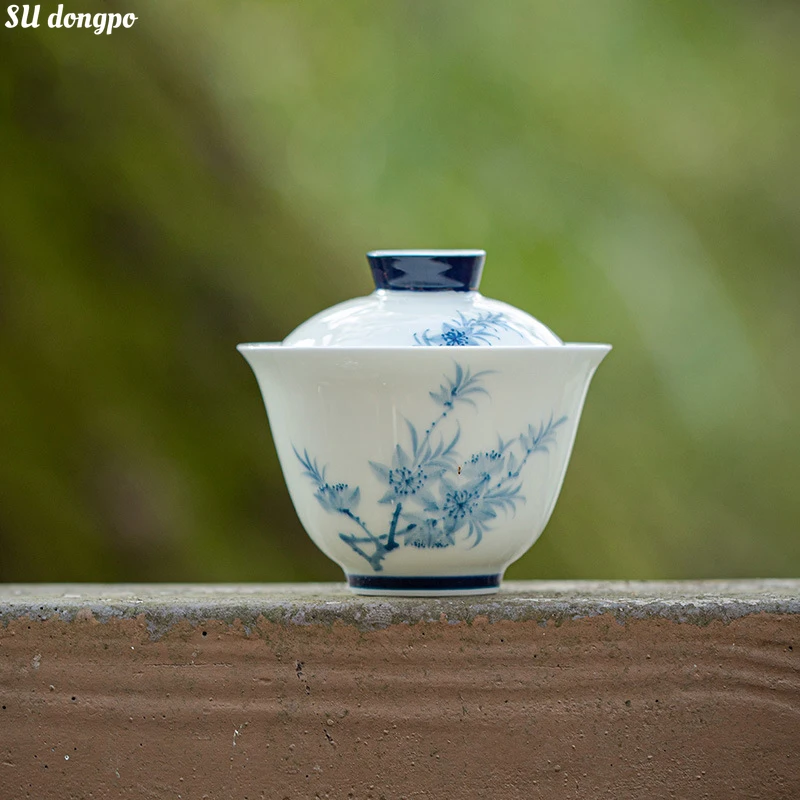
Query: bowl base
[[424, 585]]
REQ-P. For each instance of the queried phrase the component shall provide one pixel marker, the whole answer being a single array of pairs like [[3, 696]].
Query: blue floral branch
[[459, 388], [540, 441], [467, 331], [434, 498], [391, 544]]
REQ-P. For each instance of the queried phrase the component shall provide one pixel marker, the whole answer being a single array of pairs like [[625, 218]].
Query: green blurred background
[[216, 173]]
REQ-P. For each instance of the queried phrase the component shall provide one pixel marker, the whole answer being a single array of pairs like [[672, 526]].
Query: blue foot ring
[[431, 583]]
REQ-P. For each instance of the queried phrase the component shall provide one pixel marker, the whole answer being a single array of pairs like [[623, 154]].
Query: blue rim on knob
[[427, 270]]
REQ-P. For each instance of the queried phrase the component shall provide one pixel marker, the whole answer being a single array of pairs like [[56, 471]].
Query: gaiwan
[[424, 430]]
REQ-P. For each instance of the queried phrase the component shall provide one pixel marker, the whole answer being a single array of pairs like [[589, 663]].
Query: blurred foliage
[[215, 174]]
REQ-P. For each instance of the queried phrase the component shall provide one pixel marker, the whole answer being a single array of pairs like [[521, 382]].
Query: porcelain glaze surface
[[446, 319], [424, 431], [342, 420]]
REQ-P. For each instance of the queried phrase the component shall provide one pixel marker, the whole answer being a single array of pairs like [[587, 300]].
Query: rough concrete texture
[[547, 690]]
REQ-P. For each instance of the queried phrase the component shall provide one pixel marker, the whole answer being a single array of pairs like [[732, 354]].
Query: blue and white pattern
[[467, 331], [436, 497]]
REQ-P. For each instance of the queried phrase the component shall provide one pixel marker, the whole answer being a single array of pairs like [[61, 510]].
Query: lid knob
[[427, 270]]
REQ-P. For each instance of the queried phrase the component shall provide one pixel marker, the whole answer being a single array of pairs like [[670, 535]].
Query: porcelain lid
[[423, 298]]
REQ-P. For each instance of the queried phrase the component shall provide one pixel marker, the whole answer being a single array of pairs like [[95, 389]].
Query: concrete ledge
[[551, 690]]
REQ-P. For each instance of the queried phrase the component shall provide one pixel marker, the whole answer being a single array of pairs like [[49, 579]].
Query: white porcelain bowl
[[424, 470]]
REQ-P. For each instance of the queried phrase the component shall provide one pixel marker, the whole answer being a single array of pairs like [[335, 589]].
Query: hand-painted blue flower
[[488, 456], [407, 477], [467, 331], [474, 504], [460, 504], [405, 481], [482, 467], [338, 497], [430, 534], [454, 337]]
